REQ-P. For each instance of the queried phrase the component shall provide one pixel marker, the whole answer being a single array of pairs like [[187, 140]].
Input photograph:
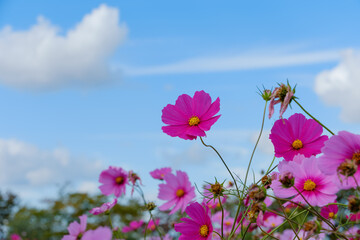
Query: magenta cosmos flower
[[114, 181], [190, 117], [160, 173], [198, 226], [105, 207], [76, 230], [15, 237], [317, 188], [329, 212], [132, 226], [177, 191], [342, 157], [103, 233], [297, 135]]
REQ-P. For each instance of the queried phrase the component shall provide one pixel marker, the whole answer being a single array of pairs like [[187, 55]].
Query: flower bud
[[354, 204], [150, 206], [287, 179]]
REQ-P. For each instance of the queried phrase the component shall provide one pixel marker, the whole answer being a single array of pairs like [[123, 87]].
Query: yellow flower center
[[180, 193], [273, 225], [204, 231], [331, 214], [297, 144], [194, 121], [356, 157], [119, 180], [309, 185]]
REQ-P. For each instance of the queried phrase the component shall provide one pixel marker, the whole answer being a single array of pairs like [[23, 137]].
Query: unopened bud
[[354, 204], [287, 179], [150, 206]]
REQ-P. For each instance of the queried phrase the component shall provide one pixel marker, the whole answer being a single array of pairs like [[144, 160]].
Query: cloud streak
[[248, 61]]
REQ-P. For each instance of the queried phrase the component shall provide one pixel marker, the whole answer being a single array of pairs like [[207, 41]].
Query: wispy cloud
[[240, 62]]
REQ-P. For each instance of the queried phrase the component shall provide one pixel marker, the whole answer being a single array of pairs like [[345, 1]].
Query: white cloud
[[41, 57], [339, 86], [265, 145], [23, 164], [247, 61]]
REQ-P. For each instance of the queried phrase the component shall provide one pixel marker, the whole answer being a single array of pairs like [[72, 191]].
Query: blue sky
[[82, 87]]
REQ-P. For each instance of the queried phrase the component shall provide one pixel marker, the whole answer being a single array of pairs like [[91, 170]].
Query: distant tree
[[8, 202]]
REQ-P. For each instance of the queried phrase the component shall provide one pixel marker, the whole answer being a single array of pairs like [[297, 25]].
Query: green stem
[[237, 188], [222, 218], [313, 117]]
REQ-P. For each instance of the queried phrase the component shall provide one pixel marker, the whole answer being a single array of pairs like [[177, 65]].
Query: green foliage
[[51, 223]]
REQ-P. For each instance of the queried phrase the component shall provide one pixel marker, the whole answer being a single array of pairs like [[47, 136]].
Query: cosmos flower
[[317, 188], [152, 225], [297, 135], [177, 191], [198, 226], [282, 94], [76, 230], [132, 226], [15, 237], [103, 233], [160, 173], [114, 180], [342, 157], [105, 207], [190, 117], [329, 212], [272, 220]]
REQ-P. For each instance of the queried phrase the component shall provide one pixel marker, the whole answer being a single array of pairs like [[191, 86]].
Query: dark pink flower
[[317, 188], [76, 230], [132, 226], [160, 173], [354, 217], [282, 94], [342, 157], [15, 237], [114, 181], [190, 117], [152, 225], [329, 212], [177, 191], [198, 226], [103, 233], [297, 135], [105, 207]]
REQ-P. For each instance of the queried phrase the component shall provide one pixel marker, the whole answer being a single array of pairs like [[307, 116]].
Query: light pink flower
[[282, 94], [132, 226], [177, 191], [103, 233], [297, 135], [160, 173], [105, 207], [190, 117], [317, 188], [341, 149], [113, 180], [272, 220], [76, 230], [198, 226]]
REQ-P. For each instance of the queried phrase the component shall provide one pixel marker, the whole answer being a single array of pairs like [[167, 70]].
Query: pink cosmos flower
[[105, 207], [354, 217], [103, 233], [317, 188], [177, 191], [166, 237], [329, 212], [114, 180], [152, 225], [198, 226], [282, 94], [76, 230], [132, 226], [297, 135], [160, 173], [15, 237], [342, 152], [190, 117], [272, 220]]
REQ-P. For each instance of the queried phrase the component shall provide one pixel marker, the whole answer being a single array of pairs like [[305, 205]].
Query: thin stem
[[253, 152], [146, 228], [313, 117], [284, 212], [246, 231], [237, 188], [218, 234], [222, 218]]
